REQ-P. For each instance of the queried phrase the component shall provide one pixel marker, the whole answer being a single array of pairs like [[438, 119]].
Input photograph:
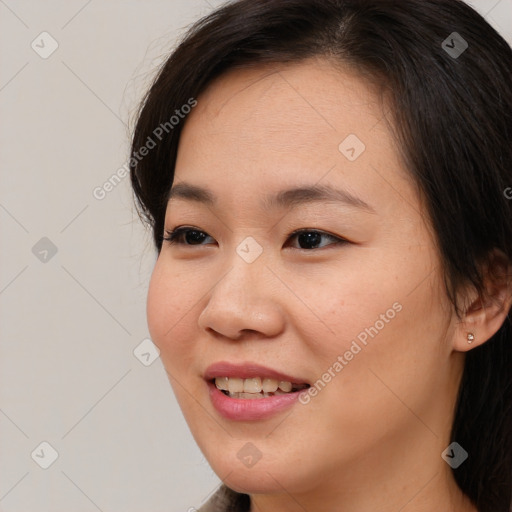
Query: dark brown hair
[[452, 116]]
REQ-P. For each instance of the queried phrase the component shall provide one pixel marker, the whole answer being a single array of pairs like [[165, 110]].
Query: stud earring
[[471, 337]]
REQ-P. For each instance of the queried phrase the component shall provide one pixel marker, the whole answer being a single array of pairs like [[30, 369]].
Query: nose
[[246, 300]]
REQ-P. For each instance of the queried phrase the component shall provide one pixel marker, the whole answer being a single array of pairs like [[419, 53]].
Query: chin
[[256, 481], [264, 477]]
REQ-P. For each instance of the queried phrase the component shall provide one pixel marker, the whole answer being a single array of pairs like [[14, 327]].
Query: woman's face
[[367, 317]]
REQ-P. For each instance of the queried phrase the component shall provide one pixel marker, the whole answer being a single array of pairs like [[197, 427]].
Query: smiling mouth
[[256, 387]]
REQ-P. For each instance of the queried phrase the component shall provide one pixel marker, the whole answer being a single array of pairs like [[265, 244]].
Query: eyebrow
[[283, 199]]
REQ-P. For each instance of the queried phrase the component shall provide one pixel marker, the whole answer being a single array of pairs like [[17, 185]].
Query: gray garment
[[227, 500]]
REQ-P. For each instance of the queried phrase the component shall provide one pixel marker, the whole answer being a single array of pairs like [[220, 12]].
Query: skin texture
[[372, 438]]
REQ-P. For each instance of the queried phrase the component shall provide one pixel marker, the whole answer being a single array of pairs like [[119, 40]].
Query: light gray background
[[70, 322]]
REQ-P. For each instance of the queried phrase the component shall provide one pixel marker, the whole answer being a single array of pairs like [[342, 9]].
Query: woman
[[327, 189]]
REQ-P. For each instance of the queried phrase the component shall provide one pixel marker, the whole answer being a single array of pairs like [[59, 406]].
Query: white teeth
[[222, 383], [254, 387], [250, 396], [269, 385], [285, 386], [235, 385]]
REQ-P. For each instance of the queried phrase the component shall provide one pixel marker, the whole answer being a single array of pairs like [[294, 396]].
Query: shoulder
[[227, 500]]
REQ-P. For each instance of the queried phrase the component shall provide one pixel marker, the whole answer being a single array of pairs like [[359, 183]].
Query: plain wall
[[75, 266]]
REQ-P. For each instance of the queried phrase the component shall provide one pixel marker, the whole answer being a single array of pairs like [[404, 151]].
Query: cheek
[[157, 307], [380, 320], [389, 345], [169, 311], [340, 306]]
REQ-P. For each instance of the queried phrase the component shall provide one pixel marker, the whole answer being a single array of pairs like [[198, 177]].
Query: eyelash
[[173, 236]]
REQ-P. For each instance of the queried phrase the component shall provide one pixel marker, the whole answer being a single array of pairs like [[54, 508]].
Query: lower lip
[[247, 409]]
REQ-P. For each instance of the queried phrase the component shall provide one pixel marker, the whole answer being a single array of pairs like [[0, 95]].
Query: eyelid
[[336, 238], [171, 236]]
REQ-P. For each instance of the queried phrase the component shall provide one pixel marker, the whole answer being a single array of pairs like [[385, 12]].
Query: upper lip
[[248, 370]]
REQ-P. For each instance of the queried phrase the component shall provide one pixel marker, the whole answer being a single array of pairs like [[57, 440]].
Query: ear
[[483, 317]]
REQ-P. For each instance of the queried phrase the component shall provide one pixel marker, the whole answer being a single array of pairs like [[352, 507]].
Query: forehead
[[278, 102], [282, 125]]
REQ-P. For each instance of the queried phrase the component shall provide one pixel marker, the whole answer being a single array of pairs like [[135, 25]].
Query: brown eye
[[307, 239], [310, 239], [191, 236]]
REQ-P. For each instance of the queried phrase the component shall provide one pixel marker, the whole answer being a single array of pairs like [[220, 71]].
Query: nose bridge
[[242, 283], [246, 264], [242, 298]]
